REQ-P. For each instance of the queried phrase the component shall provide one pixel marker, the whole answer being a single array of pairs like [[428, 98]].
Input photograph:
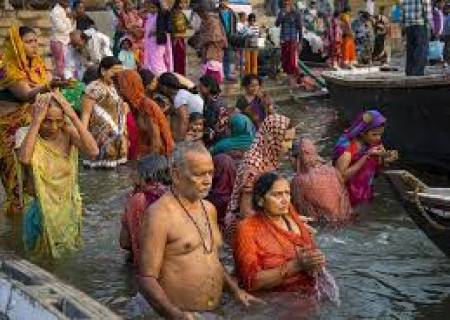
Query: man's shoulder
[[160, 208]]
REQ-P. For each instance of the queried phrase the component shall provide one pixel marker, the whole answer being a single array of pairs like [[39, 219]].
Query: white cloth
[[370, 7], [240, 27], [315, 42], [98, 46], [73, 66], [62, 25], [193, 102]]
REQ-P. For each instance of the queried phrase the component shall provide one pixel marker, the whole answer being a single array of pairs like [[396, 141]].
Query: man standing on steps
[[180, 273], [290, 22], [417, 20], [229, 23]]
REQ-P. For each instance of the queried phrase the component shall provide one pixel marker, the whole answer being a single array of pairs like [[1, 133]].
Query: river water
[[385, 267]]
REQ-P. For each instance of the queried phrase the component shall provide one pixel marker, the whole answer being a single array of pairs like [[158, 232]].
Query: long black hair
[[210, 83], [162, 24], [24, 30], [262, 186], [107, 63], [171, 81]]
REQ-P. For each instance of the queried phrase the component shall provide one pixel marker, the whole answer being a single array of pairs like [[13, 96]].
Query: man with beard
[[180, 272]]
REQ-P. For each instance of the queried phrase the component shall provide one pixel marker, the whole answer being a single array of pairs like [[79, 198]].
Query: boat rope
[[424, 213], [419, 187]]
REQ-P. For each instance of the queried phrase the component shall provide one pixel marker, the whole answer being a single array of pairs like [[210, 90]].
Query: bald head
[[78, 39]]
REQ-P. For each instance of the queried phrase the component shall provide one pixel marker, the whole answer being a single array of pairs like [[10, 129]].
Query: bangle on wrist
[[284, 271]]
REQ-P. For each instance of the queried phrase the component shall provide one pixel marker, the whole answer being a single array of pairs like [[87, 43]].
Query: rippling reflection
[[385, 267]]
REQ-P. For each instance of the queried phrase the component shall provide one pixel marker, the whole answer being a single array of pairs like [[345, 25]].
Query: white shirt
[[98, 46], [62, 25], [193, 102]]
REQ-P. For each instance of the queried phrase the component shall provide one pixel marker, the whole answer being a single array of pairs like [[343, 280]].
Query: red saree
[[261, 245]]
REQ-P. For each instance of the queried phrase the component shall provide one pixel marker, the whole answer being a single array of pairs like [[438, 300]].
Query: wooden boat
[[28, 292], [417, 109], [428, 207]]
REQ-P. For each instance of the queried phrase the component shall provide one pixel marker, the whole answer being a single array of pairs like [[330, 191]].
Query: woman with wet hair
[[153, 183]]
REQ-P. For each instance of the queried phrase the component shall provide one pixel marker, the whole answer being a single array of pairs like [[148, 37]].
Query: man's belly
[[194, 282]]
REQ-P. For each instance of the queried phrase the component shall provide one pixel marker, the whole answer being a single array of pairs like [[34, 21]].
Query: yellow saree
[[15, 67], [52, 224]]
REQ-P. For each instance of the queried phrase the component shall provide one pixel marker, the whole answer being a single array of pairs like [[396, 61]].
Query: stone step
[[43, 24], [7, 22], [32, 15], [7, 14]]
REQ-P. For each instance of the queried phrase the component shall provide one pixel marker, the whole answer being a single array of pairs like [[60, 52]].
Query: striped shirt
[[416, 12]]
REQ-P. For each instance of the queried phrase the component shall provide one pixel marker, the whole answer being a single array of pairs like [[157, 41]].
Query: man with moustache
[[180, 271]]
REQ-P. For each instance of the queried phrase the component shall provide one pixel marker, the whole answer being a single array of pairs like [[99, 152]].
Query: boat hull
[[28, 292], [435, 226], [418, 118]]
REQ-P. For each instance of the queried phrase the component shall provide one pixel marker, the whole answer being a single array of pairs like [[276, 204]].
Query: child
[[348, 48], [52, 223], [334, 41], [153, 182], [250, 54], [196, 128], [242, 22], [126, 54], [359, 154], [179, 28], [254, 103]]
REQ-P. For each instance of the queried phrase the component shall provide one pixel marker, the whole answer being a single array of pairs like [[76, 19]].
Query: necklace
[[287, 223], [206, 250]]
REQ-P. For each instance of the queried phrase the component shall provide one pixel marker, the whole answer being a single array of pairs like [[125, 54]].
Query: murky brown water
[[385, 267]]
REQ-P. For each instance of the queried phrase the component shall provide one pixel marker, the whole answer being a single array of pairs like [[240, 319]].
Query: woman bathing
[[104, 115], [272, 141], [359, 154], [318, 190]]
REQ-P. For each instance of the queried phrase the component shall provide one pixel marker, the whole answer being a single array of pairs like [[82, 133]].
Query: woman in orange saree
[[348, 42], [22, 76], [274, 249], [154, 135]]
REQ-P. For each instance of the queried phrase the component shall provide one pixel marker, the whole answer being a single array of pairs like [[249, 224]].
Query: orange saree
[[261, 245]]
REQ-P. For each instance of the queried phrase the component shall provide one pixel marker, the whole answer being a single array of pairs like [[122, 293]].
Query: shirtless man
[[180, 271]]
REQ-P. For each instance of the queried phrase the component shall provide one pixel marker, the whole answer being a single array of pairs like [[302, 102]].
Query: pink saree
[[157, 58]]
